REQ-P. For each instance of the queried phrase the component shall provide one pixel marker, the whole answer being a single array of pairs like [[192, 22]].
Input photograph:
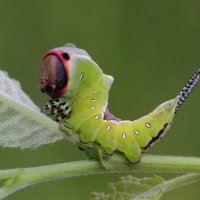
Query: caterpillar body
[[79, 91]]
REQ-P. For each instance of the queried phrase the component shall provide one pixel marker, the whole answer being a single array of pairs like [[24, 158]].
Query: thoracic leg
[[57, 109]]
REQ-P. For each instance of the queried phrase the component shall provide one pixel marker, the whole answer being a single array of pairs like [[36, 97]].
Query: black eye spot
[[65, 56]]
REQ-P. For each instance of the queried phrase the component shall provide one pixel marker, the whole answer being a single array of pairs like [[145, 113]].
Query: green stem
[[182, 181], [21, 178], [169, 185]]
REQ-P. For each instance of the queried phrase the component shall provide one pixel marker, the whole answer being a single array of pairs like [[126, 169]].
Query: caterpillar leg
[[95, 151], [66, 127], [104, 158], [57, 109]]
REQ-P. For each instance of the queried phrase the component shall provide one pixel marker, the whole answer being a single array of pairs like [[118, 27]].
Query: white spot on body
[[148, 125], [124, 135], [81, 76], [96, 117], [108, 127], [136, 132], [93, 100], [92, 107]]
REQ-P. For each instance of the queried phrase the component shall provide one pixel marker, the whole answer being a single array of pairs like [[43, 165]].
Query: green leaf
[[129, 187], [22, 124]]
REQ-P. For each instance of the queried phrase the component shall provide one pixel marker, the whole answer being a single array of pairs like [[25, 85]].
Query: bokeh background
[[150, 47]]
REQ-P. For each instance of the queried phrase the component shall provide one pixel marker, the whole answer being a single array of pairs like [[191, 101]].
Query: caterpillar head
[[61, 69]]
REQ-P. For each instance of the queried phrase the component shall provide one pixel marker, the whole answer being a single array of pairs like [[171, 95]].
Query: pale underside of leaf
[[12, 88], [21, 123]]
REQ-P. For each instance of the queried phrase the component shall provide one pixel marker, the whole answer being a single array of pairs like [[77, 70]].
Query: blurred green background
[[150, 47]]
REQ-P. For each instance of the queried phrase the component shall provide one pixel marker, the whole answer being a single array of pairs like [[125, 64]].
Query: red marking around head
[[58, 53]]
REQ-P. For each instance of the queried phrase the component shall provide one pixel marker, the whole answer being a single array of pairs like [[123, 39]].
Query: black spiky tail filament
[[182, 96]]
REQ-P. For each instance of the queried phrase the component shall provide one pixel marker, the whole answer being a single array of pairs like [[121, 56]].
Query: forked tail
[[182, 96]]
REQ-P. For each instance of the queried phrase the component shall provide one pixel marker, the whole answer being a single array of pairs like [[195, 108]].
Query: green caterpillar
[[79, 91]]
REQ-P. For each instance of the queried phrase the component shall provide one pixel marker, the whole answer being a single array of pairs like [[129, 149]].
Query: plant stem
[[182, 181], [21, 178], [169, 185]]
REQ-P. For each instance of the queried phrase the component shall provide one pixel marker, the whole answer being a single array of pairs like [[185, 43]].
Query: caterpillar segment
[[80, 90]]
